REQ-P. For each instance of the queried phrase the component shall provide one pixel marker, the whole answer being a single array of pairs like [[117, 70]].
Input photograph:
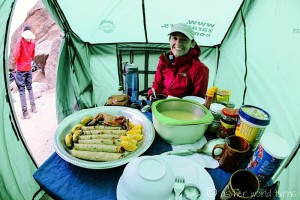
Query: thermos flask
[[132, 82]]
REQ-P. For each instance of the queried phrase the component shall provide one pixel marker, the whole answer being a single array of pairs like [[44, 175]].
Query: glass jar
[[228, 121], [216, 110]]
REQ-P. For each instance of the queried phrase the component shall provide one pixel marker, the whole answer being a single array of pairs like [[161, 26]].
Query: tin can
[[252, 124], [268, 156]]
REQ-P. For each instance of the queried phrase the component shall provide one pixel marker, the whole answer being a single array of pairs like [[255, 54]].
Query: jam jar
[[228, 121]]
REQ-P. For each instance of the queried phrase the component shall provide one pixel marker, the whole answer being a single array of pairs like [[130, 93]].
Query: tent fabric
[[136, 20], [250, 58], [16, 165], [253, 50]]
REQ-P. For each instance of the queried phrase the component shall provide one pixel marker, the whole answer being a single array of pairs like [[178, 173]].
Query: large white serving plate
[[133, 115]]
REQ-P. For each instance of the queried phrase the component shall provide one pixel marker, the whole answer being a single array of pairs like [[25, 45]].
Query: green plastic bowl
[[186, 126], [201, 115]]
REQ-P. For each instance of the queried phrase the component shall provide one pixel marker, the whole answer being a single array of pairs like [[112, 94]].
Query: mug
[[242, 184], [233, 151]]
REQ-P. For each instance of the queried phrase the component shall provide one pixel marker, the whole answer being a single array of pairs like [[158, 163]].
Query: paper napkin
[[203, 160]]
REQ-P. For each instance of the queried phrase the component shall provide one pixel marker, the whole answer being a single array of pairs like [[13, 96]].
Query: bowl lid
[[206, 119]]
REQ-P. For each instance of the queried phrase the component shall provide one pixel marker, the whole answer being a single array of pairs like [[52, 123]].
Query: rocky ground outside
[[39, 129]]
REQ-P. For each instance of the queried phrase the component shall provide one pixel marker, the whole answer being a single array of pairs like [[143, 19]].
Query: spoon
[[153, 90], [191, 191]]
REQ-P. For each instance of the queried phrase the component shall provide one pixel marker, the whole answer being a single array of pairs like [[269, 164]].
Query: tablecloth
[[62, 180]]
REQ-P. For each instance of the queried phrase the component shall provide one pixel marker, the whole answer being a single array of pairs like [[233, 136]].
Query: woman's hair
[[27, 28]]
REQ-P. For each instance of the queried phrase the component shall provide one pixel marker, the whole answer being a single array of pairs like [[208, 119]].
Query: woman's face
[[180, 44]]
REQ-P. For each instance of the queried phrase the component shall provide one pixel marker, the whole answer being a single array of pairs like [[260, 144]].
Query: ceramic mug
[[242, 184], [233, 151]]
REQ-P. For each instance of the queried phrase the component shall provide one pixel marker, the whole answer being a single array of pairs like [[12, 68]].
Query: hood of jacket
[[28, 35]]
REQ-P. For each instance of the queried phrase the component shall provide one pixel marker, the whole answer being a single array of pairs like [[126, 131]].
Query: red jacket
[[24, 54], [186, 76]]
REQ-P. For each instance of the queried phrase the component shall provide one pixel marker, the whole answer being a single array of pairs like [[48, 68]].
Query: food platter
[[133, 115]]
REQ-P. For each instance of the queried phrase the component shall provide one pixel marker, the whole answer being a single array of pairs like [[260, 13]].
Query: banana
[[76, 135], [76, 127], [86, 120], [69, 140]]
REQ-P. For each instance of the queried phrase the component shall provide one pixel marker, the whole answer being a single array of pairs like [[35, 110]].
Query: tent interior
[[250, 47]]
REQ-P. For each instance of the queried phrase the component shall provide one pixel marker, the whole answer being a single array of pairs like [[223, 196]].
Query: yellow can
[[252, 123]]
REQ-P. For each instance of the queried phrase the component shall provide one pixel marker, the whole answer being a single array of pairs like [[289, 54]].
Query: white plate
[[132, 114], [195, 98], [205, 182]]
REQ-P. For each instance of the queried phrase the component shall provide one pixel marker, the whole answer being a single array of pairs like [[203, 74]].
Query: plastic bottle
[[132, 82], [209, 98]]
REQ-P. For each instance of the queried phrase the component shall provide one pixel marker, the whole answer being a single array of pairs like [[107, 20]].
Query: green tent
[[250, 47]]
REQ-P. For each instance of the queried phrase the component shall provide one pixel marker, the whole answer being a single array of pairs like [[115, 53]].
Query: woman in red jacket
[[23, 56], [180, 72]]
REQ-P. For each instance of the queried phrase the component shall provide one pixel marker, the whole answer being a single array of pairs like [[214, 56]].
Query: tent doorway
[[38, 131]]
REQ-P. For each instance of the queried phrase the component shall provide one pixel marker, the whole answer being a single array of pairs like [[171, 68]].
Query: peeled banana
[[86, 120], [69, 139], [76, 127], [76, 135]]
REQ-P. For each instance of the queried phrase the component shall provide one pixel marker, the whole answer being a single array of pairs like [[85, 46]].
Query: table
[[62, 180]]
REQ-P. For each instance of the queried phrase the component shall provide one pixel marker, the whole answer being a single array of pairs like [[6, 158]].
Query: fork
[[178, 187]]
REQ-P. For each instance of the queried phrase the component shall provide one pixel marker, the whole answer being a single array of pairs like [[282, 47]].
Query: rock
[[40, 86]]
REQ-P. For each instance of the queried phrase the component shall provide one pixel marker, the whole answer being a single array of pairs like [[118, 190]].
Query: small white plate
[[195, 98], [205, 182]]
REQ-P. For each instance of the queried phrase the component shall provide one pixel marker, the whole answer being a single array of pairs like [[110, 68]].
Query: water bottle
[[132, 82]]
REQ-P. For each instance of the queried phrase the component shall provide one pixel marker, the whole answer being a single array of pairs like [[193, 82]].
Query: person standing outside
[[23, 55], [180, 72]]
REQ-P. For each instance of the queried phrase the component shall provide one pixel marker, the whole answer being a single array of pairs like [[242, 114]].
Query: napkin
[[205, 161]]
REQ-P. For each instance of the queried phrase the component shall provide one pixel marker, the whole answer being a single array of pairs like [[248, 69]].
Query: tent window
[[145, 58]]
